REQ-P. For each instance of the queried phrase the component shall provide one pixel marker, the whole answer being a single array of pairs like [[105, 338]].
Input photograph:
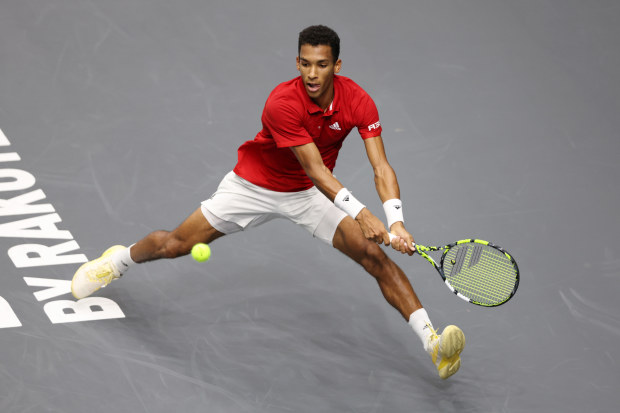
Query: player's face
[[317, 68]]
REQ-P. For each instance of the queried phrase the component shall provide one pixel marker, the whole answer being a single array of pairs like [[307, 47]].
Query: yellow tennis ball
[[201, 252]]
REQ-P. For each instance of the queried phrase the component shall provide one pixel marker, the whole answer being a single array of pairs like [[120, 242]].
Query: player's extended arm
[[387, 188], [310, 159]]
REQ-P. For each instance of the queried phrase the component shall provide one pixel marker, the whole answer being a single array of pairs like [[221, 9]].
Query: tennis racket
[[477, 271]]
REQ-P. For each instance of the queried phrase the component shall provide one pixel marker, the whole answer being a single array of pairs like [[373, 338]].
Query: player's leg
[[392, 281], [444, 349], [176, 243], [235, 205], [319, 216], [98, 273]]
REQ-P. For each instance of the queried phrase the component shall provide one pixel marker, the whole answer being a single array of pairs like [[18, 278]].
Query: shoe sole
[[451, 347], [452, 342]]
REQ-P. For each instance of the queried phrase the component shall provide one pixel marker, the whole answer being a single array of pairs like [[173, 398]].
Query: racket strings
[[483, 284], [482, 273]]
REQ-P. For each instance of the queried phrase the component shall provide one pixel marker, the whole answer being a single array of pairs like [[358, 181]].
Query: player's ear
[[297, 59], [338, 66]]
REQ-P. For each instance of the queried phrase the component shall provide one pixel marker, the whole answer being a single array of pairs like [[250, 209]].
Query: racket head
[[480, 272]]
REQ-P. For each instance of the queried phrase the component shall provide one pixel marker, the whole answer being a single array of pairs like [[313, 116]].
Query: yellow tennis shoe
[[95, 274], [445, 350]]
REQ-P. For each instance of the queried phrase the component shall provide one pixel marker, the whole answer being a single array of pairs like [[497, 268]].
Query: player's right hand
[[372, 227], [403, 241]]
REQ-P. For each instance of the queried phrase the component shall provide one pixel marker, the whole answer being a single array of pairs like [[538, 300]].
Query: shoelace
[[432, 337], [98, 274]]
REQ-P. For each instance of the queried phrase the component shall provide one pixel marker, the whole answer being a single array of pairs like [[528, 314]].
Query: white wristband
[[348, 203], [393, 211]]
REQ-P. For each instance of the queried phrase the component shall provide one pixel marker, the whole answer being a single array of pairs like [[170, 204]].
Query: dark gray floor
[[500, 117]]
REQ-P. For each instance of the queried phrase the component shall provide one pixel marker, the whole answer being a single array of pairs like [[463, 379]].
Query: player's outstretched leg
[[444, 349], [100, 272]]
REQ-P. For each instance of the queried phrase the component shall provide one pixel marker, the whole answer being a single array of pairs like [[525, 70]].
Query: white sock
[[422, 326], [122, 260]]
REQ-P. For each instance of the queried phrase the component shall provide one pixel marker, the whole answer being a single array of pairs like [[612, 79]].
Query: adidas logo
[[397, 206], [346, 198], [335, 126]]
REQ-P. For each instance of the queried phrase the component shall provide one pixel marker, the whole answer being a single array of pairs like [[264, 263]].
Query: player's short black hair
[[320, 35]]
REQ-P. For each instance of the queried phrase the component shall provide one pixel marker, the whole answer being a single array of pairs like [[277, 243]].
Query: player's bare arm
[[310, 159], [387, 188]]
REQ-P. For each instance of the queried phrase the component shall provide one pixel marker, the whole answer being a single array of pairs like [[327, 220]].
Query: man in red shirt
[[286, 172]]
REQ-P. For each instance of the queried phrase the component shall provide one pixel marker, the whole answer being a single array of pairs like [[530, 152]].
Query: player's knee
[[374, 258]]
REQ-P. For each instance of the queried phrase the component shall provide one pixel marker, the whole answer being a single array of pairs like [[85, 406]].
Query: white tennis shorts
[[238, 204]]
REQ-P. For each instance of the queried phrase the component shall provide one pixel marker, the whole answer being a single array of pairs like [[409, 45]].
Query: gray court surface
[[501, 119]]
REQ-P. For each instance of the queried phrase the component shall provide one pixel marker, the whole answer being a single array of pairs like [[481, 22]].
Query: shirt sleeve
[[367, 118], [284, 122]]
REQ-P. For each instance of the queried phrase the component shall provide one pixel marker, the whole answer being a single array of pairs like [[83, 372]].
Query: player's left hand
[[403, 241], [372, 227]]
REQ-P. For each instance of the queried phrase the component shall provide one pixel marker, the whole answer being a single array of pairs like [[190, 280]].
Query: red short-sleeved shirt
[[290, 118]]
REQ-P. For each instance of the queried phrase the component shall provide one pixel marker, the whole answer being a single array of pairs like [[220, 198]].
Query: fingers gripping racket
[[477, 271]]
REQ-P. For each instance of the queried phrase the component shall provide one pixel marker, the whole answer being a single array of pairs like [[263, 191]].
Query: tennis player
[[286, 172]]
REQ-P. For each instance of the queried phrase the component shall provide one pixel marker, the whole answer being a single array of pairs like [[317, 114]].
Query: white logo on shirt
[[335, 126], [374, 126]]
